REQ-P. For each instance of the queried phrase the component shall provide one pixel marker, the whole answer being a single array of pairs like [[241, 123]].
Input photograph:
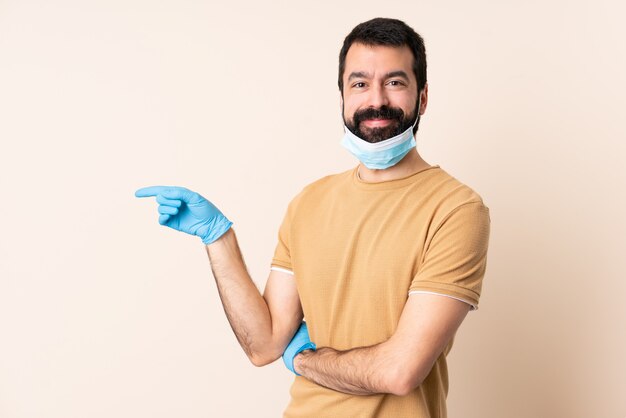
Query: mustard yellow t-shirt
[[357, 250]]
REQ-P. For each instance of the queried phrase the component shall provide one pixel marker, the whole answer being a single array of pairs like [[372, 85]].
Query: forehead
[[378, 59]]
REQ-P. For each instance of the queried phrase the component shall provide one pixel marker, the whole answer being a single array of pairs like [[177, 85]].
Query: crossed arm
[[398, 365], [265, 324]]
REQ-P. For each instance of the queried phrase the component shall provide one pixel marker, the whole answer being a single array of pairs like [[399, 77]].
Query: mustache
[[384, 112]]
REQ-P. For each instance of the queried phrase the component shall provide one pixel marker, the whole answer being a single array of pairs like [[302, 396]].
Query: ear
[[340, 105], [424, 99]]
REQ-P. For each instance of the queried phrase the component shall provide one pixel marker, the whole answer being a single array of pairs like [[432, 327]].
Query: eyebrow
[[358, 74], [363, 74], [398, 73]]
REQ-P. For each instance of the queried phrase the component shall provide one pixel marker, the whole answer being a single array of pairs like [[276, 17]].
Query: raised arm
[[263, 325]]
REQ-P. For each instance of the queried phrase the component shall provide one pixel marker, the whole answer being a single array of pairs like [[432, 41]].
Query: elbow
[[404, 382], [260, 360], [402, 389]]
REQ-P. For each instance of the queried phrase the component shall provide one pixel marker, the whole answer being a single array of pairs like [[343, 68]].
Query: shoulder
[[446, 196], [321, 187], [449, 192], [328, 181]]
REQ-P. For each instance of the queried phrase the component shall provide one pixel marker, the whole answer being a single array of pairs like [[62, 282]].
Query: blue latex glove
[[187, 211], [299, 342]]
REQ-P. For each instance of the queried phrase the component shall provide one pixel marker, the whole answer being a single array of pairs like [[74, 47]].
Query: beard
[[398, 123]]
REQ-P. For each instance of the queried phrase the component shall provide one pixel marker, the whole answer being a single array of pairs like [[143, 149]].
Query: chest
[[354, 259]]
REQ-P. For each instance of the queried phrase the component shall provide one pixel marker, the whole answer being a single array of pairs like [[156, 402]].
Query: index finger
[[150, 191], [169, 192]]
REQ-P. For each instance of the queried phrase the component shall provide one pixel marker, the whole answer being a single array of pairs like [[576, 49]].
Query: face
[[379, 91]]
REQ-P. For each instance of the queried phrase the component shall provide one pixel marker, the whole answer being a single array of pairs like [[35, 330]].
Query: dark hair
[[389, 32]]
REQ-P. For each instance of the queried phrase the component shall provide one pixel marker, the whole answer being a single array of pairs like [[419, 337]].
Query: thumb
[[180, 193]]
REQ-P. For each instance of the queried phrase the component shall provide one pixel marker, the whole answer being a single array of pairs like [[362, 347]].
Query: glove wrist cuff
[[216, 231]]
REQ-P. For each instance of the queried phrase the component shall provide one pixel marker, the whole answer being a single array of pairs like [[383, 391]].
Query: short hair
[[386, 32]]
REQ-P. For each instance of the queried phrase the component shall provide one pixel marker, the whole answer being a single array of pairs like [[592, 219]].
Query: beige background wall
[[103, 312]]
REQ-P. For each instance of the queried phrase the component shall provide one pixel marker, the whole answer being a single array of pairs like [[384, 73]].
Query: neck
[[410, 164]]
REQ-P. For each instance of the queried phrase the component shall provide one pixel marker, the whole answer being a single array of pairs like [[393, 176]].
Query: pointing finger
[[169, 192], [150, 191]]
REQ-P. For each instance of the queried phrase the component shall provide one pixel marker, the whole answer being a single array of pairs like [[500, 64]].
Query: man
[[384, 260]]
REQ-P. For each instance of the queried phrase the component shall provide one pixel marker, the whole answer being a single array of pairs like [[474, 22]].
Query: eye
[[396, 83], [359, 85]]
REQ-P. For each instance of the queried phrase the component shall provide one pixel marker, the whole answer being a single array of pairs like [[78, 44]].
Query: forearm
[[246, 310], [358, 371]]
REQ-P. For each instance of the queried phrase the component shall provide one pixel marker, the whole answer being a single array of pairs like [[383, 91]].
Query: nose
[[377, 96]]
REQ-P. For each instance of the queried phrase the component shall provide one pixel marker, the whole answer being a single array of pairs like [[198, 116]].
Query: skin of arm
[[250, 314], [396, 366]]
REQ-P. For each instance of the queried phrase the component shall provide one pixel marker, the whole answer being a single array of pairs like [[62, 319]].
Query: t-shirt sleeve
[[455, 259], [282, 253]]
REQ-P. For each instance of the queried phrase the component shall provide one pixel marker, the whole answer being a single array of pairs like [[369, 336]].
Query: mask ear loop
[[419, 100]]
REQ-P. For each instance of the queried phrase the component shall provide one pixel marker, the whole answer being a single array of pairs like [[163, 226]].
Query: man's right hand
[[299, 342], [187, 211]]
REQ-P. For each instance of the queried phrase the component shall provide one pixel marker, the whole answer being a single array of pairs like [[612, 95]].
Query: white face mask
[[383, 154]]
